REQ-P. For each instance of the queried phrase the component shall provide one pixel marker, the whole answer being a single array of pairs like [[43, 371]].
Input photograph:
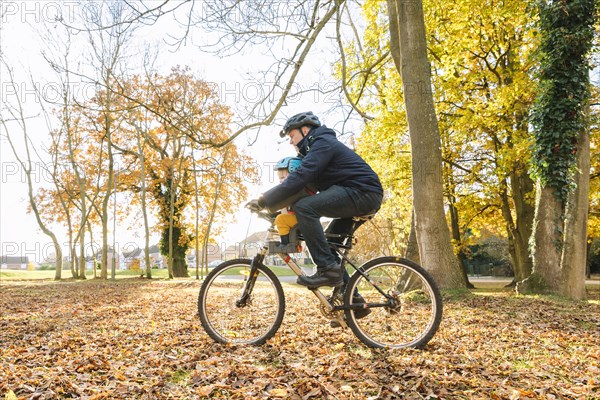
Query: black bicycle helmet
[[299, 120]]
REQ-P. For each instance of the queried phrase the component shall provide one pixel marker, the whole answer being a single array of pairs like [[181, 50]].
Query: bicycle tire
[[415, 319], [252, 324]]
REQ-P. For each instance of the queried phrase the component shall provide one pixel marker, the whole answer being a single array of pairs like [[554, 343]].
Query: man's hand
[[255, 205]]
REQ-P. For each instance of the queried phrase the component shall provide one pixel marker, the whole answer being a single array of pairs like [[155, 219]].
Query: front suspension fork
[[249, 285]]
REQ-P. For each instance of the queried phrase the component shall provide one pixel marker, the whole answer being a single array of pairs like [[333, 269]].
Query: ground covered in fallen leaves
[[140, 339]]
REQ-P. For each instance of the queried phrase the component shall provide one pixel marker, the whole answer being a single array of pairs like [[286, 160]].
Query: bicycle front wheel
[[406, 304], [226, 319]]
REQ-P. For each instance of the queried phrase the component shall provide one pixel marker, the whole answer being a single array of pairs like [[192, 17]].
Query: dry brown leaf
[[278, 393], [142, 339]]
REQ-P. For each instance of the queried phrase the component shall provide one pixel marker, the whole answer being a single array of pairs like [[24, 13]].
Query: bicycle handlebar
[[264, 214]]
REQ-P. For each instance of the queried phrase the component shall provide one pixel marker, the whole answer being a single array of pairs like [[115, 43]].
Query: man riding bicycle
[[347, 186]]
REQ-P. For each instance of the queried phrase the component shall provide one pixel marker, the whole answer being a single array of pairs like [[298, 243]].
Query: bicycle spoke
[[413, 314], [253, 323]]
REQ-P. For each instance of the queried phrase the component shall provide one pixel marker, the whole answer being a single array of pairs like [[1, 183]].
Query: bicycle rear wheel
[[414, 315], [225, 320]]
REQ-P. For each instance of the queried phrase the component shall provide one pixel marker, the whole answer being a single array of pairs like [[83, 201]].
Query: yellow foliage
[[135, 265], [481, 54]]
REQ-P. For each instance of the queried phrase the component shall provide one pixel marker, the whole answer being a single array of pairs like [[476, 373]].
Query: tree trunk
[[82, 251], [175, 251], [519, 228], [457, 237], [74, 261], [588, 270], [141, 146], [412, 247], [171, 248], [104, 251], [574, 257], [522, 188], [170, 255], [104, 215], [547, 242], [59, 257], [93, 252], [561, 146], [197, 219], [180, 269], [409, 51]]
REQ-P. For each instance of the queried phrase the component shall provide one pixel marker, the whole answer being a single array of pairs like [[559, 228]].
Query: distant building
[[132, 257], [156, 259], [14, 262], [213, 252]]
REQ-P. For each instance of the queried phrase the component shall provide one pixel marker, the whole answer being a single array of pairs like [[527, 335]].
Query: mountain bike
[[242, 301]]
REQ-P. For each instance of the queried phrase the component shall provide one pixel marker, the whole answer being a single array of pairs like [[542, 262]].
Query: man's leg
[[334, 202]]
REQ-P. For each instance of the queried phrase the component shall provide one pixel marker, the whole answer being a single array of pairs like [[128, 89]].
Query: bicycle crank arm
[[322, 299], [339, 319]]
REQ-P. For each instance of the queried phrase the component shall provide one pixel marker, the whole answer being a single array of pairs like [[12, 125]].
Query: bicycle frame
[[259, 258], [341, 249], [387, 302]]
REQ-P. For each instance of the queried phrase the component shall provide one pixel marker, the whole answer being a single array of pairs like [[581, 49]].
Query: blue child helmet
[[289, 163]]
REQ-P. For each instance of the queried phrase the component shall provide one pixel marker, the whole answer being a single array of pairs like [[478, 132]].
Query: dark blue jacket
[[326, 162]]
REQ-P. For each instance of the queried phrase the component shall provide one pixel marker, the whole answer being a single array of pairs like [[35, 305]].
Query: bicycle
[[241, 301]]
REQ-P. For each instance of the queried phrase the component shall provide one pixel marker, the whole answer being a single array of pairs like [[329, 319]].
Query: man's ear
[[305, 129]]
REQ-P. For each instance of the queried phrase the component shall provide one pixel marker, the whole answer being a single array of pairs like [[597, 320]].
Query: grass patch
[[180, 377], [6, 274], [66, 274], [456, 294], [16, 274]]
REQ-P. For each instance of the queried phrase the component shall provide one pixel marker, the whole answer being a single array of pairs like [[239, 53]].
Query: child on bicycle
[[287, 220]]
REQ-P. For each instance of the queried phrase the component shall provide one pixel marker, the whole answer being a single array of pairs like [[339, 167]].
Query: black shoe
[[325, 276], [361, 312]]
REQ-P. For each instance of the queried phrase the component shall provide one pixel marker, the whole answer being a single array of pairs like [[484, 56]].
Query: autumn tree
[[140, 120], [14, 121], [482, 76], [68, 172], [218, 178], [171, 156], [106, 56], [561, 151], [409, 51]]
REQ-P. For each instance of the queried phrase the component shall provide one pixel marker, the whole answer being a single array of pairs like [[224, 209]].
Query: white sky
[[19, 232]]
